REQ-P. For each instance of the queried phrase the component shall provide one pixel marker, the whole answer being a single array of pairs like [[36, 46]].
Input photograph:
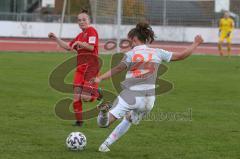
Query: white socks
[[120, 130]]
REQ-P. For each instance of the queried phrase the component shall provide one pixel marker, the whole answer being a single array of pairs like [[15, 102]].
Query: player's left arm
[[220, 26], [176, 56]]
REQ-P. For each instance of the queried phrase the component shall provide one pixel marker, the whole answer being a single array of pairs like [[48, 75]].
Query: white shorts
[[141, 107]]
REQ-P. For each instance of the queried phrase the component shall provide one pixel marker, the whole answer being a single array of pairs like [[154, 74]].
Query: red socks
[[78, 110]]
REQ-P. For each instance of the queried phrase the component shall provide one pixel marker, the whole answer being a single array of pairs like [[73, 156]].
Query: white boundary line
[[101, 44]]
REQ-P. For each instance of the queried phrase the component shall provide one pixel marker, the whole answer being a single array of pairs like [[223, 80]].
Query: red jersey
[[89, 36], [87, 60]]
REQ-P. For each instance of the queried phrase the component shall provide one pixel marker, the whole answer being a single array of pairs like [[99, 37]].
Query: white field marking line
[[102, 44], [27, 42], [32, 42], [183, 47], [194, 54]]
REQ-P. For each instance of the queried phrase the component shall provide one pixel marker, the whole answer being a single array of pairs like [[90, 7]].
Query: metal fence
[[157, 12], [162, 12], [31, 17]]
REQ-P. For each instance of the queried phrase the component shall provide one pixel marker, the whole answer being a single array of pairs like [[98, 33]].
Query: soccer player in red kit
[[86, 45]]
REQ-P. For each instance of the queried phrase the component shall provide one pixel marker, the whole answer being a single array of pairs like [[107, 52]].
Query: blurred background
[[158, 12], [172, 20], [198, 119]]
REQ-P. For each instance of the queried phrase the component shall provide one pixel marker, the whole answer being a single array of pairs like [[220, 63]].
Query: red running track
[[45, 45]]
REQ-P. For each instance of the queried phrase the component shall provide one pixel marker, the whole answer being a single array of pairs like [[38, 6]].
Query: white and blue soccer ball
[[76, 141]]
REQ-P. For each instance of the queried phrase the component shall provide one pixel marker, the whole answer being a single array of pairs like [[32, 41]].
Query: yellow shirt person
[[226, 26]]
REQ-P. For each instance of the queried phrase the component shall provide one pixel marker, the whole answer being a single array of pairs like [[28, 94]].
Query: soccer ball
[[76, 141]]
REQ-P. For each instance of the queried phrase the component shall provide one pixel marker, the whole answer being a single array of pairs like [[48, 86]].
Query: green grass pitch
[[208, 85]]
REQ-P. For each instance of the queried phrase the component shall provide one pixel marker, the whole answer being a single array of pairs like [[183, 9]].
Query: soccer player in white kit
[[138, 95]]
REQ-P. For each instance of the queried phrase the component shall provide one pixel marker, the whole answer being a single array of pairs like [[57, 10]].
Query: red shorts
[[79, 81]]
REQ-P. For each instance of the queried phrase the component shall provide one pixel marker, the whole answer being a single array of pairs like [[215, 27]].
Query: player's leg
[[105, 119], [145, 105], [220, 42], [132, 117], [118, 132], [229, 47], [91, 92], [220, 48], [119, 109], [77, 102], [86, 96], [77, 106]]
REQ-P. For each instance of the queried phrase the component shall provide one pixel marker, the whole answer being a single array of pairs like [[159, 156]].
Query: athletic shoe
[[103, 148], [78, 123]]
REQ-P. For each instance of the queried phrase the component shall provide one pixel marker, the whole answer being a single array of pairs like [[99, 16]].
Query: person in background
[[86, 45], [226, 26]]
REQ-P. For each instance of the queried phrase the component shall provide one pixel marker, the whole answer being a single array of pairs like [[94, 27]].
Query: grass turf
[[208, 85]]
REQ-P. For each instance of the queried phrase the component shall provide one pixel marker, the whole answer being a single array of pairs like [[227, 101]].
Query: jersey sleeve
[[92, 37], [164, 55], [127, 59]]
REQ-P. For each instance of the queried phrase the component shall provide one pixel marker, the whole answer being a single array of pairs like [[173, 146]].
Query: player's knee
[[77, 94], [76, 98], [77, 90], [86, 98]]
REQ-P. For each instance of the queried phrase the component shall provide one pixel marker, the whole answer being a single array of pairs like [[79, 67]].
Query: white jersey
[[143, 63], [138, 93]]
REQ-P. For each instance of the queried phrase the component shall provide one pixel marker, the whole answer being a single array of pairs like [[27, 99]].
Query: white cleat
[[103, 148]]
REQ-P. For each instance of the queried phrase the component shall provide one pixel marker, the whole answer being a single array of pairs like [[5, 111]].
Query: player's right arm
[[123, 65], [232, 25], [220, 26], [176, 56], [117, 69], [60, 42]]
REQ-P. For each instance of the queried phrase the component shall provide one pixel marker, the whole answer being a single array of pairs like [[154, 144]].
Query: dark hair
[[84, 11], [143, 32]]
